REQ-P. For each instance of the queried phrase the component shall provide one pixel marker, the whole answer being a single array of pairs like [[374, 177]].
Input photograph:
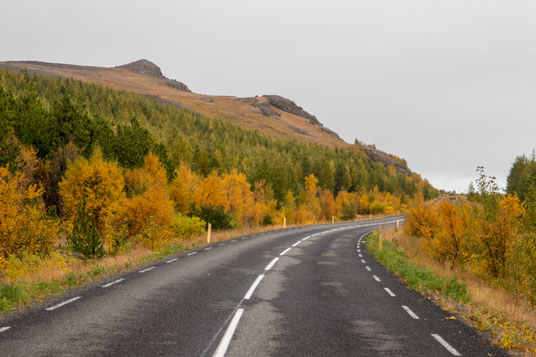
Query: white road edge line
[[146, 270], [445, 344], [389, 292], [376, 278], [2, 329], [410, 313], [253, 287], [298, 242], [226, 340], [271, 264], [172, 260], [360, 255], [234, 240], [306, 238], [363, 261], [112, 283], [207, 248], [192, 253], [285, 251], [221, 244], [367, 267], [63, 303]]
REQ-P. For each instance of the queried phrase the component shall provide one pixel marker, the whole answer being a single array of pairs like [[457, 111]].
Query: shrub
[[186, 227], [216, 216], [84, 237], [377, 208]]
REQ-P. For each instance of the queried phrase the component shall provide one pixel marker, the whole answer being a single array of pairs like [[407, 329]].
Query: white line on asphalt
[[271, 264], [285, 251], [234, 240], [376, 278], [192, 253], [146, 270], [113, 283], [390, 292], [221, 244], [62, 303], [367, 267], [446, 345], [298, 242], [306, 238], [172, 260], [363, 261], [207, 248], [226, 340], [2, 329], [360, 255], [246, 237], [253, 287], [359, 250], [411, 313]]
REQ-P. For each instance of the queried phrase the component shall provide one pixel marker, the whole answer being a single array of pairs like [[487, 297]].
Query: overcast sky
[[448, 85]]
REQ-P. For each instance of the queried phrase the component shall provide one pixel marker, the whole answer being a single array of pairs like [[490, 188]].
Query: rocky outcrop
[[148, 68], [386, 160]]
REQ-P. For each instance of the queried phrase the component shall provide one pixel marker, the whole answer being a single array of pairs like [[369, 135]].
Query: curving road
[[308, 291]]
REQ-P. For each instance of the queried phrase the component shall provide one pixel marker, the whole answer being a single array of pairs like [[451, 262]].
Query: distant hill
[[270, 114]]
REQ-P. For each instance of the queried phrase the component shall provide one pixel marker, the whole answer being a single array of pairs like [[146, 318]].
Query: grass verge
[[508, 321]]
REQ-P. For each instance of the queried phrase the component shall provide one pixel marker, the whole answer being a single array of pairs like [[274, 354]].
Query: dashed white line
[[360, 255], [226, 340], [172, 260], [63, 303], [5, 328], [359, 250], [376, 278], [246, 237], [221, 244], [234, 240], [271, 264], [367, 267], [410, 313], [445, 344], [207, 248], [253, 287], [192, 253], [363, 261], [298, 242], [285, 251], [146, 270], [112, 283], [389, 292]]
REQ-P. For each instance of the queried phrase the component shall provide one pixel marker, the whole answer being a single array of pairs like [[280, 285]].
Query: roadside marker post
[[380, 246], [284, 222], [397, 224], [209, 230], [332, 219]]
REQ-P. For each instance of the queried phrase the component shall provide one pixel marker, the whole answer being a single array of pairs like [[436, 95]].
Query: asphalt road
[[310, 291]]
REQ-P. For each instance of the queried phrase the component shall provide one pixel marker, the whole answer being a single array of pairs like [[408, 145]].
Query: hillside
[[270, 114]]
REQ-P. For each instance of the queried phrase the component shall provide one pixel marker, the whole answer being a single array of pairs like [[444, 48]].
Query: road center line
[[113, 283], [367, 267], [445, 344], [390, 292], [172, 260], [253, 287], [411, 313], [192, 253], [146, 270], [285, 251], [360, 255], [63, 303], [298, 242], [2, 329], [363, 261], [376, 278], [226, 340], [271, 264]]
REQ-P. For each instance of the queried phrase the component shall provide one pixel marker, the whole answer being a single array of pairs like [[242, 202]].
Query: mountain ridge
[[271, 114]]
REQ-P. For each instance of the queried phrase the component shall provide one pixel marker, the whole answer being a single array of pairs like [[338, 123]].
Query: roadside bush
[[84, 237], [186, 227], [377, 208]]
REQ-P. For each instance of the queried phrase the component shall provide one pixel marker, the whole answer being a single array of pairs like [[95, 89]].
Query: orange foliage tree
[[95, 183]]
